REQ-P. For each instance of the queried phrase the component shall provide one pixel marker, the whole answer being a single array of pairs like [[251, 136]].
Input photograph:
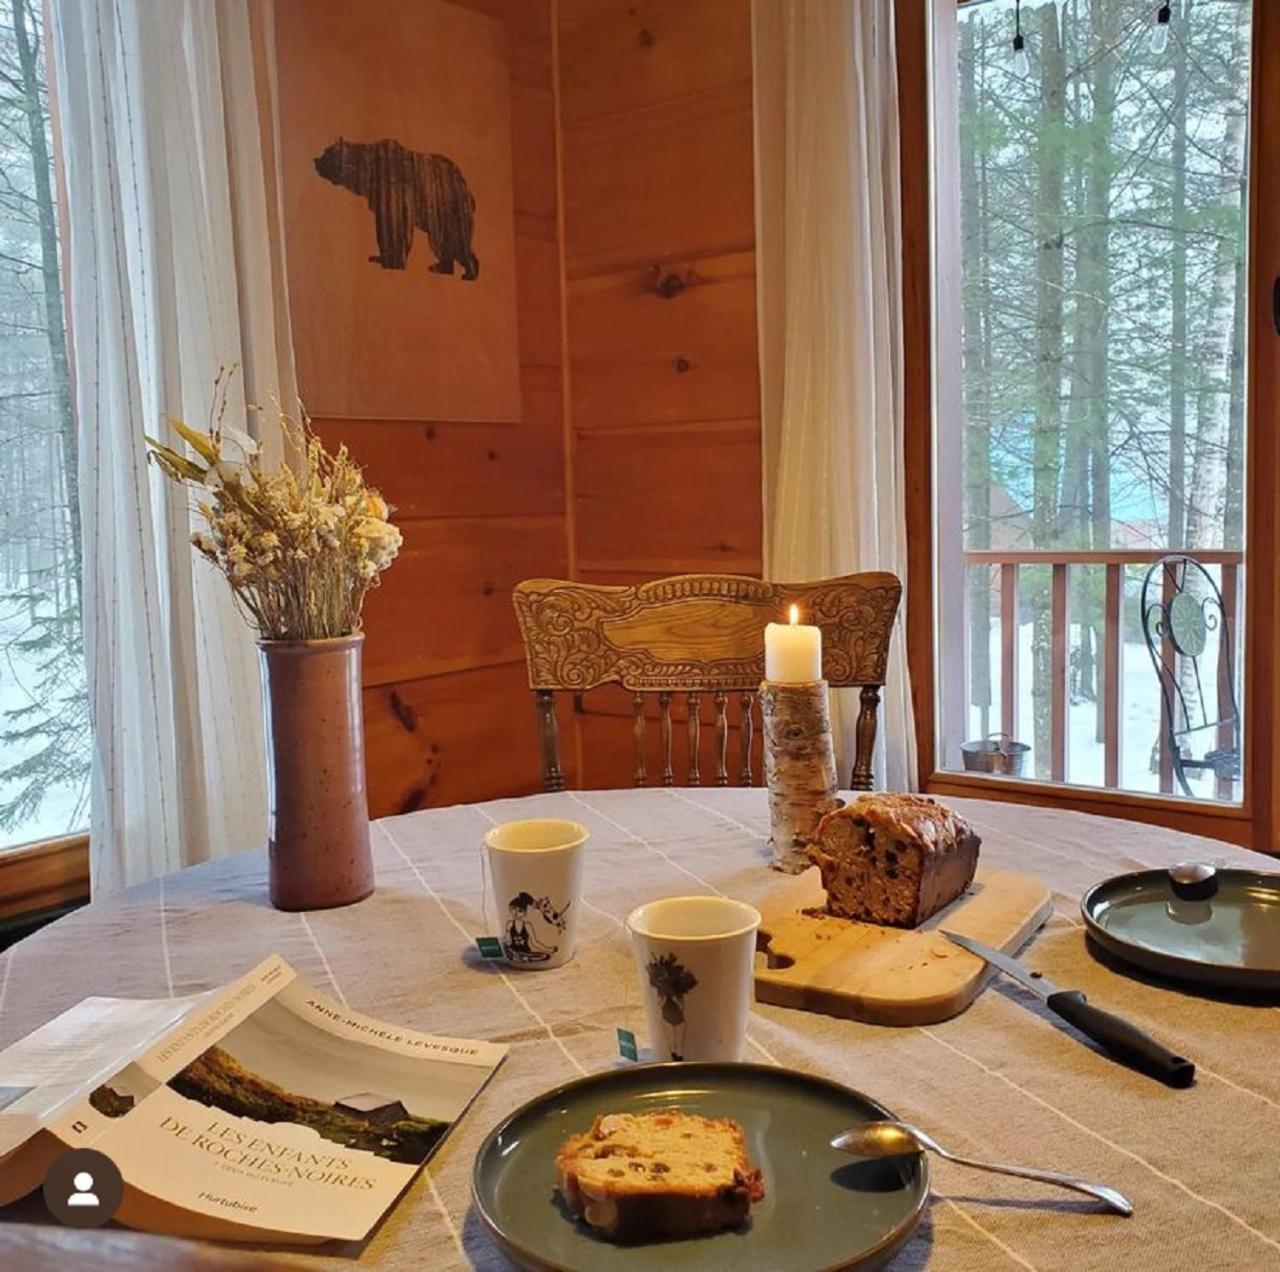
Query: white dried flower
[[301, 545]]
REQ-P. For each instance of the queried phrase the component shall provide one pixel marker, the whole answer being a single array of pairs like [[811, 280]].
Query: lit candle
[[792, 652]]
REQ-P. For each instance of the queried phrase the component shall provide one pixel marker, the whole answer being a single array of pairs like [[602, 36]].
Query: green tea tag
[[627, 1045], [489, 946]]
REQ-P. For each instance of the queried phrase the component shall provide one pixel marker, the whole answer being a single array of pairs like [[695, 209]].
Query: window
[[1091, 196], [44, 713]]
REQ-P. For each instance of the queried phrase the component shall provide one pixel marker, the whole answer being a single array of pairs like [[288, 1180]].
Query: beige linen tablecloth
[[1003, 1081]]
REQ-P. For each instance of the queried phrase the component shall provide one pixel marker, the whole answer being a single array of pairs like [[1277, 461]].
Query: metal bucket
[[997, 753]]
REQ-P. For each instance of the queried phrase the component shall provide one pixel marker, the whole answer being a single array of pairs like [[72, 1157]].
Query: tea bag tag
[[627, 1045], [489, 947]]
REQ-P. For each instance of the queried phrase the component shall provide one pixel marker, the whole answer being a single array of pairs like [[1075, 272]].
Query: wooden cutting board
[[883, 975]]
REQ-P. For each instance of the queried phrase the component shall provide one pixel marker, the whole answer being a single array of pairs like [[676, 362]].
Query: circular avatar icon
[[83, 1188]]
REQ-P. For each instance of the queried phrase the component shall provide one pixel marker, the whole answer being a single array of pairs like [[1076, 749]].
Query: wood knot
[[403, 712], [682, 364], [487, 589], [430, 432], [492, 454], [646, 38], [669, 286]]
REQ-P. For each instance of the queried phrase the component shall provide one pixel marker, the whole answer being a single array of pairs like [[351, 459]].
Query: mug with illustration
[[695, 957], [536, 869]]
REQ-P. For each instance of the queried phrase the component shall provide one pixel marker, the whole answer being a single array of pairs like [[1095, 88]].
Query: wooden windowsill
[[1229, 822], [43, 875]]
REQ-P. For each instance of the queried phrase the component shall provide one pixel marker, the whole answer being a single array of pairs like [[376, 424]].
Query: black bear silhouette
[[407, 190]]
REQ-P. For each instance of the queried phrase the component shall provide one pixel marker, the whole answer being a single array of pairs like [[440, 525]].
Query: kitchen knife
[[1124, 1041]]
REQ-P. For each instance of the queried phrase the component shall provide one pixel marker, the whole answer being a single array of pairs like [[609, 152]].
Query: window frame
[[43, 875], [1254, 820]]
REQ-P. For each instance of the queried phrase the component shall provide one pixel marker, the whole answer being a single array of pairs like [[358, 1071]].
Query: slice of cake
[[642, 1176], [894, 859]]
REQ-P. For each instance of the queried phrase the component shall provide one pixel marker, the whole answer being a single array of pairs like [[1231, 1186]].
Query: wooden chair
[[696, 634]]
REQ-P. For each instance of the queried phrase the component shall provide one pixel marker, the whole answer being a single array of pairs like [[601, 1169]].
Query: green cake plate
[[822, 1210]]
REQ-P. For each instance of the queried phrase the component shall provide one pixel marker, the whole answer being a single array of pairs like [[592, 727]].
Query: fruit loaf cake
[[642, 1176], [894, 859]]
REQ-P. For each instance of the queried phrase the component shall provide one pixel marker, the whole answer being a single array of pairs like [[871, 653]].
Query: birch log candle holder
[[799, 768], [799, 762]]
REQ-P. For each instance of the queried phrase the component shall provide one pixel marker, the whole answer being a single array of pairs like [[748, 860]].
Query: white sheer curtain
[[829, 248], [174, 271]]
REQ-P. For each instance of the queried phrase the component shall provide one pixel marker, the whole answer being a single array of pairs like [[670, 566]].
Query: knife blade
[[1124, 1041]]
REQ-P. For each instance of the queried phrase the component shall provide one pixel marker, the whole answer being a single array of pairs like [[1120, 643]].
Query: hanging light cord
[[1020, 65]]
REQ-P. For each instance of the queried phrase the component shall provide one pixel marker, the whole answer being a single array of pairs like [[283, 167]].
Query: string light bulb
[[1021, 65], [1160, 36]]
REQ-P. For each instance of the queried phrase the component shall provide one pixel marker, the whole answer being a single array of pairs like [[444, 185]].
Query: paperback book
[[261, 1111]]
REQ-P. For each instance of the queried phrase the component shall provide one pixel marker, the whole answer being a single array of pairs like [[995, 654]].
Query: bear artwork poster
[[397, 175], [408, 191]]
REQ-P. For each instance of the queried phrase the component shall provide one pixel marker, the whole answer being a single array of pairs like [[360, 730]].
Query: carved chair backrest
[[696, 634]]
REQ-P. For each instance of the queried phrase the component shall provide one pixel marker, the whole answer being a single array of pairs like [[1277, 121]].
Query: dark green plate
[[822, 1208], [1230, 939]]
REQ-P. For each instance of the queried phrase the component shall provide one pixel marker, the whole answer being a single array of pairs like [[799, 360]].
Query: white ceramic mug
[[536, 871], [696, 960]]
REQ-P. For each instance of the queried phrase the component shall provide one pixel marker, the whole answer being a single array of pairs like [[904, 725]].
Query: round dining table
[[1005, 1080]]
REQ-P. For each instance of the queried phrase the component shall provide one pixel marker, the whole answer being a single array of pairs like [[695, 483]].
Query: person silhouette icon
[[83, 1195], [83, 1188]]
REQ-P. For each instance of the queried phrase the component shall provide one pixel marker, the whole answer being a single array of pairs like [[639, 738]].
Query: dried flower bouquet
[[302, 545]]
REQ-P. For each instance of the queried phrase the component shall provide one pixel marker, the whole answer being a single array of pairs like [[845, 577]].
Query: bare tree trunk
[[1096, 248], [977, 409], [1206, 512], [1046, 449], [1215, 354], [26, 37], [1177, 528], [1233, 512]]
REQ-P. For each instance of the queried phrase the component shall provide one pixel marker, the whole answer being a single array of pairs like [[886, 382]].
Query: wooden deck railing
[[1008, 563]]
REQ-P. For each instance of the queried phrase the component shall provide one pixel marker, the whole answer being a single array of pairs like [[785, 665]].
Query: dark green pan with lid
[[1218, 927]]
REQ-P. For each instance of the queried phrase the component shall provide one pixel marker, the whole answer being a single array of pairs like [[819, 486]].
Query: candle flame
[[795, 615]]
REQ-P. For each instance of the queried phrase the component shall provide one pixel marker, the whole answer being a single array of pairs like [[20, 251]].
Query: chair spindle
[[637, 703], [664, 730], [864, 733], [695, 724], [549, 731], [722, 738], [747, 703]]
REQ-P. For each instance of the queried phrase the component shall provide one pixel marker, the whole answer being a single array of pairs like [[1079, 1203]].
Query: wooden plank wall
[[639, 451], [659, 239], [447, 711]]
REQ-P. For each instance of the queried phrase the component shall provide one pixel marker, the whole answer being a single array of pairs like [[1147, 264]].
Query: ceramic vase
[[318, 850]]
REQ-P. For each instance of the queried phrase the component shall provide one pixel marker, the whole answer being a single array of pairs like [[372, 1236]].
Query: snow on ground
[[1139, 718], [65, 808]]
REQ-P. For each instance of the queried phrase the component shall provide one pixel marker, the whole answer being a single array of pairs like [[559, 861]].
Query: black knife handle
[[1125, 1041]]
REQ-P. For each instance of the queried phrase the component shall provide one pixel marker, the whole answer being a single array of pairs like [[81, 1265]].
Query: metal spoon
[[898, 1139]]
